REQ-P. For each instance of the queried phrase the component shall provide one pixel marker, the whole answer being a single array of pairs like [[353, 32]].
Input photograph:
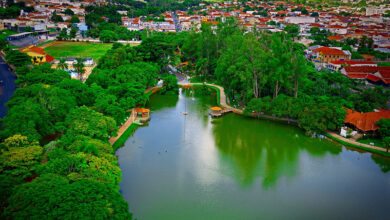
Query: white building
[[376, 11], [300, 20]]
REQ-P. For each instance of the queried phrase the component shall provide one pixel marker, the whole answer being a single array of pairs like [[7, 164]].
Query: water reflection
[[382, 162], [264, 149], [161, 102]]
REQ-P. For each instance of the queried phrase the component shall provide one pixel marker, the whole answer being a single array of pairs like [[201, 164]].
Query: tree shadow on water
[[264, 149]]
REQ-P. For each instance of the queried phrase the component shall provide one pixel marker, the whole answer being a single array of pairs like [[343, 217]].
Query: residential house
[[372, 74], [38, 55], [339, 64], [328, 54], [365, 122], [300, 20]]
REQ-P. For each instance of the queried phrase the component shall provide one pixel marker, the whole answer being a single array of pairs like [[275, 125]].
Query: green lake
[[195, 167]]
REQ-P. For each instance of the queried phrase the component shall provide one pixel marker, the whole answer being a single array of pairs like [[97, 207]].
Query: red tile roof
[[35, 49], [49, 58], [329, 51], [373, 78], [361, 69], [336, 37], [352, 62], [357, 76], [365, 121], [367, 72]]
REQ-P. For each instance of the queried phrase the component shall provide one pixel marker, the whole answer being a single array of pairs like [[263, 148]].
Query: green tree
[[56, 18], [62, 64], [68, 11], [292, 30], [17, 140], [20, 161], [73, 32], [170, 84], [87, 122], [74, 19], [27, 118], [17, 58], [107, 36], [63, 35], [384, 127], [52, 196], [80, 68]]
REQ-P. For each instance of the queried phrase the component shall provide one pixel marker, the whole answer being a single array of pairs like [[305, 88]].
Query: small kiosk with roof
[[143, 114], [216, 111]]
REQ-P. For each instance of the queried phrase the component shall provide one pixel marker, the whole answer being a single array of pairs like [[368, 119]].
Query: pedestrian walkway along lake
[[196, 167]]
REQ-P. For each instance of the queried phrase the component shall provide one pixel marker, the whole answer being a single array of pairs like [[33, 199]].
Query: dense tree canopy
[[267, 73], [54, 196]]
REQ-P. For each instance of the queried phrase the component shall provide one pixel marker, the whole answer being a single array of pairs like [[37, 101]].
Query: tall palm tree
[[79, 67], [62, 64]]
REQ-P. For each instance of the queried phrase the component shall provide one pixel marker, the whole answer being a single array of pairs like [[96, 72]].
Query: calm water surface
[[195, 167]]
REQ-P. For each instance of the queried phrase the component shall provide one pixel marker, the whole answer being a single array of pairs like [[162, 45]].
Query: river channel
[[196, 167]]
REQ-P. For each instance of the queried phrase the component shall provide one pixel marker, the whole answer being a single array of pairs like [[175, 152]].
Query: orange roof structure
[[187, 86], [34, 49], [216, 108], [336, 38], [365, 121], [352, 62], [49, 58], [329, 51], [142, 110]]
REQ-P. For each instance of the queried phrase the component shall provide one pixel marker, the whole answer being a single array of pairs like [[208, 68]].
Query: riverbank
[[221, 97], [331, 135], [7, 85], [350, 143], [129, 126]]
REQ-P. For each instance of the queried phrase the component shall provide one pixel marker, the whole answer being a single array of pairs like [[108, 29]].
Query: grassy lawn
[[377, 142], [5, 33], [384, 64], [122, 140], [60, 49]]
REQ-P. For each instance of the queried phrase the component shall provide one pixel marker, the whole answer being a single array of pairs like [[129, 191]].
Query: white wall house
[[300, 20]]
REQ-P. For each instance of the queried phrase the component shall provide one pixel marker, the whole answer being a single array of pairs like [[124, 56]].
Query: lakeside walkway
[[222, 97], [357, 144], [133, 116], [124, 127]]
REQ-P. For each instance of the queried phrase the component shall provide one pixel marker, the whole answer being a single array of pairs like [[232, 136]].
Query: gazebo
[[143, 112], [216, 111]]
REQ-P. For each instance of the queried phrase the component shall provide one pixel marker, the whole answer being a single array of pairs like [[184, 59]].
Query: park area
[[59, 49]]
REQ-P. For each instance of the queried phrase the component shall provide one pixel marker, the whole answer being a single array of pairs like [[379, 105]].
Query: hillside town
[[333, 34]]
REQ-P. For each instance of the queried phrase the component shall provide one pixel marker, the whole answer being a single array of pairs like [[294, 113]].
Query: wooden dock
[[220, 113]]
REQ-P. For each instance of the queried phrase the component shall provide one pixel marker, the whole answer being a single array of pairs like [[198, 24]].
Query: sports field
[[59, 49]]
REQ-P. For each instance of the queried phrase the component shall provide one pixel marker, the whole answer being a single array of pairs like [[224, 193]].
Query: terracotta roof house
[[328, 54], [38, 55], [365, 122], [338, 64], [375, 74]]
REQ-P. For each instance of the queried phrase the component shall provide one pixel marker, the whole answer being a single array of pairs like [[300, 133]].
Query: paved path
[[356, 143], [124, 127], [7, 86], [222, 97], [131, 119]]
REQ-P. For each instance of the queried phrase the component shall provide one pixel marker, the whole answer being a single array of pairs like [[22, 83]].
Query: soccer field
[[64, 49]]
